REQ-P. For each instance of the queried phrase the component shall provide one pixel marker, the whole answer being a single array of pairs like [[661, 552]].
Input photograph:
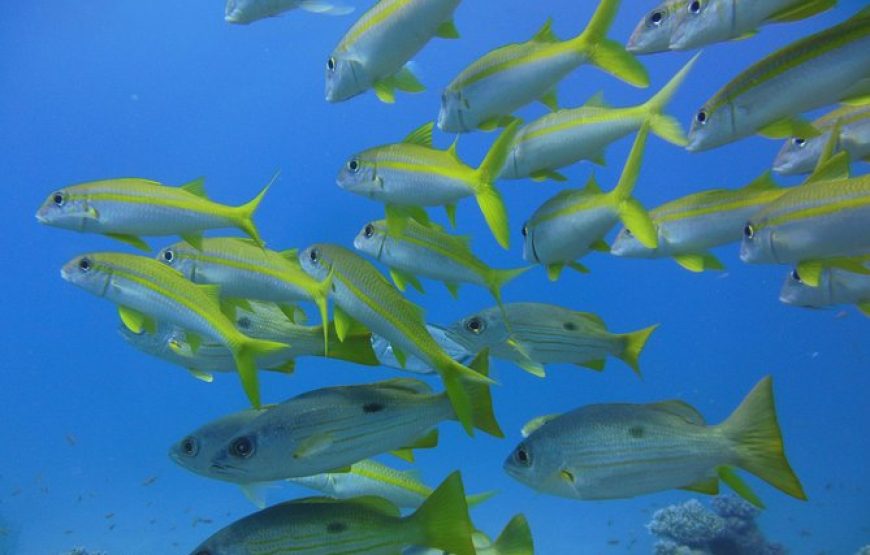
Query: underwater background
[[167, 90]]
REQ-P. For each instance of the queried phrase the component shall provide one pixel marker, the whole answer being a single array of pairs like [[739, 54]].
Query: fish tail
[[515, 539], [754, 430], [663, 125], [631, 212], [245, 356], [495, 279], [478, 498], [478, 393], [634, 344], [488, 197], [245, 213], [356, 347], [443, 518], [607, 54]]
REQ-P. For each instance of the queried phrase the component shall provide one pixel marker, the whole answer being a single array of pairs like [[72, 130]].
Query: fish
[[539, 334], [824, 68], [243, 12], [515, 539], [329, 429], [412, 249], [688, 227], [125, 209], [412, 174], [574, 221], [402, 488], [245, 270], [375, 51], [147, 291], [564, 137], [828, 216], [653, 33], [361, 294], [259, 320], [365, 525], [836, 285], [384, 352], [705, 22], [486, 93], [801, 154], [622, 450]]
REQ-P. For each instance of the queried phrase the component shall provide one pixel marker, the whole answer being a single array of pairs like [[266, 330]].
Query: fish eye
[[656, 18], [522, 456], [748, 231], [525, 230], [799, 142], [242, 447], [330, 64], [796, 276], [59, 198], [189, 446], [314, 255], [85, 264], [695, 6], [475, 325], [169, 255], [627, 232], [701, 117], [353, 165], [368, 231]]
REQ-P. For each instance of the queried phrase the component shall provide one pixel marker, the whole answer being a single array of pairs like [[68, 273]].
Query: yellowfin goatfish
[[515, 539], [574, 221], [363, 525], [836, 285], [384, 351], [802, 154], [328, 429], [653, 32], [821, 69], [245, 270], [402, 488], [413, 174], [124, 209], [260, 321], [376, 49], [488, 91], [689, 226], [412, 249], [704, 22], [612, 451], [248, 11], [826, 217], [567, 136], [541, 334], [146, 291]]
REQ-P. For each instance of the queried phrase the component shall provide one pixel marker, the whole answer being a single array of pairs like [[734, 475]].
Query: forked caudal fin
[[607, 54], [663, 125], [515, 539], [633, 215], [754, 430], [471, 406], [488, 197], [245, 356], [481, 400], [356, 347], [245, 213], [443, 518], [634, 344]]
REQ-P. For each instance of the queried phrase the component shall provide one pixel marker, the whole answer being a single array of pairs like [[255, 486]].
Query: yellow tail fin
[[515, 539], [609, 55], [443, 518], [246, 211], [245, 357], [663, 125], [488, 197], [634, 344]]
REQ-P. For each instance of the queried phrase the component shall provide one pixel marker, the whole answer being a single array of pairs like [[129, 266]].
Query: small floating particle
[[149, 480]]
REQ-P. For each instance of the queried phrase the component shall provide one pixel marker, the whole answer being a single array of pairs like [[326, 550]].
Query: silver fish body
[[384, 352], [800, 155], [243, 12], [653, 33], [836, 286], [549, 238]]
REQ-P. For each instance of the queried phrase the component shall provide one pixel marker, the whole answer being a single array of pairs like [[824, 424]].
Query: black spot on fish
[[336, 527], [570, 326], [244, 322], [636, 431], [373, 407]]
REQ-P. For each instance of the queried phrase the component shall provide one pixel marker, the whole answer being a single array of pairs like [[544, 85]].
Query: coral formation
[[728, 529]]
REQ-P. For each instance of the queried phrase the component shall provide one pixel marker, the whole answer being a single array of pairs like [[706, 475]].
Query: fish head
[[653, 32], [795, 292], [181, 257], [799, 155], [758, 243], [91, 272], [712, 125], [346, 77], [481, 330], [196, 451], [314, 262], [701, 22], [191, 452], [360, 174], [454, 112], [225, 542], [238, 11], [529, 252], [533, 464], [67, 209], [626, 244], [371, 238]]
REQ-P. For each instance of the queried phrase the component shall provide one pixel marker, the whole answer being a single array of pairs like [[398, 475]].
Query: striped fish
[[363, 525], [243, 12], [566, 136], [690, 226], [486, 93], [384, 351], [375, 51], [361, 294], [124, 209], [146, 291], [653, 33], [836, 285], [825, 68], [515, 539], [411, 174], [411, 249], [802, 154]]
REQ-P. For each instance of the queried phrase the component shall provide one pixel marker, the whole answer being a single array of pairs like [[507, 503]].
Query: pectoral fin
[[699, 262], [131, 240], [447, 30], [403, 279], [193, 239], [554, 271], [136, 321], [313, 445], [709, 486], [201, 375], [543, 175], [735, 482], [789, 127], [401, 358]]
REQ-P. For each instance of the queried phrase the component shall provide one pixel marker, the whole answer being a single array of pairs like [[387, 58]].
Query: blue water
[[166, 90]]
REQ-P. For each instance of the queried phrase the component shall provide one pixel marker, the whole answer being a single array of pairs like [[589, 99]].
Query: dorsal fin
[[680, 408], [536, 423], [836, 168], [196, 187], [452, 149], [592, 185], [596, 101], [545, 33], [377, 504], [212, 291], [594, 318], [290, 254], [761, 183], [411, 385], [421, 136]]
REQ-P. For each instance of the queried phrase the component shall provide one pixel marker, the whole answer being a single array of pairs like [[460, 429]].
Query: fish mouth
[[225, 469], [40, 217], [694, 144]]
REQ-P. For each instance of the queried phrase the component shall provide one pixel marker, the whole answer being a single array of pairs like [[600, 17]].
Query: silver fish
[[247, 11], [835, 286], [653, 33], [801, 154]]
